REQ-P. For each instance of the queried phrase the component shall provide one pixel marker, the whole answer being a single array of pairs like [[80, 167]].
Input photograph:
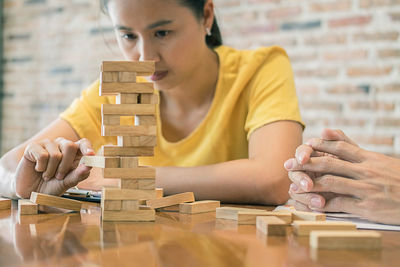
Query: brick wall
[[345, 54]]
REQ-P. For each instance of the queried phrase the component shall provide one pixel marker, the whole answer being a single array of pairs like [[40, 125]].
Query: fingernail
[[316, 202], [59, 176], [288, 164], [45, 178], [89, 150], [304, 184], [294, 187]]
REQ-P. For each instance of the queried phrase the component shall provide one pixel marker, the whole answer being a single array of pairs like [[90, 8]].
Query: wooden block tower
[[137, 101]]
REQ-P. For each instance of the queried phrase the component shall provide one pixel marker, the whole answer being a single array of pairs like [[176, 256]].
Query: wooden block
[[126, 77], [129, 215], [345, 239], [26, 207], [134, 141], [125, 88], [231, 213], [130, 204], [128, 109], [303, 228], [115, 193], [159, 192], [199, 206], [54, 201], [271, 225], [111, 204], [126, 99], [5, 203], [147, 184], [128, 162], [108, 77], [141, 68], [101, 162], [126, 130], [148, 120], [149, 99], [144, 207], [110, 120], [170, 200], [249, 217], [130, 173], [129, 183], [112, 151], [308, 216]]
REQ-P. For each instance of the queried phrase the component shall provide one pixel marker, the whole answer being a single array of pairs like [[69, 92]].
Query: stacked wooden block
[[137, 101]]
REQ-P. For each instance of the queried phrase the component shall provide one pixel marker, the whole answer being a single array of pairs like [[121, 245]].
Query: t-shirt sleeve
[[84, 116], [272, 95]]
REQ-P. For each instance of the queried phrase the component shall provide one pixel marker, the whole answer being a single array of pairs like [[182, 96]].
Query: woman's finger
[[301, 182], [69, 150], [77, 175], [336, 135], [326, 164], [344, 186], [341, 149], [35, 153], [85, 147], [55, 157], [312, 200]]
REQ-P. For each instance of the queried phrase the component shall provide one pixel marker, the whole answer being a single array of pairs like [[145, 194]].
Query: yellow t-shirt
[[254, 88]]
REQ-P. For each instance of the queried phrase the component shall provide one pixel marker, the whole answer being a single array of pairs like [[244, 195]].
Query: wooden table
[[73, 239]]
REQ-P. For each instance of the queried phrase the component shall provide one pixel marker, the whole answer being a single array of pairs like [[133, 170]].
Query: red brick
[[283, 13], [307, 89], [374, 140], [345, 55], [378, 3], [388, 122], [374, 106], [377, 36], [327, 39], [330, 6], [346, 122], [350, 21], [317, 72], [345, 89], [395, 16], [369, 71], [389, 53], [321, 105], [390, 88]]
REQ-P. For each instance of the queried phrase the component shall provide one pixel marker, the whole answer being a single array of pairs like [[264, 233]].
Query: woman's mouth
[[158, 75]]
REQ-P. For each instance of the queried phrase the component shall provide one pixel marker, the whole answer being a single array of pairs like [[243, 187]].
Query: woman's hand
[[52, 167], [333, 174]]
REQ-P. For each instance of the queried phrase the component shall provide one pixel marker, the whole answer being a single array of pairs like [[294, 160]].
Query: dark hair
[[197, 6]]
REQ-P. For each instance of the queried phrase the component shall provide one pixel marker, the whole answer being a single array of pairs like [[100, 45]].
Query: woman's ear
[[208, 14]]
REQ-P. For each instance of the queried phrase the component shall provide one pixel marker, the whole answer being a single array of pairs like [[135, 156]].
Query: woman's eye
[[128, 36], [162, 33]]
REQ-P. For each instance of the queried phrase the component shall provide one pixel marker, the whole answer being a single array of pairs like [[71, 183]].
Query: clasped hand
[[333, 174]]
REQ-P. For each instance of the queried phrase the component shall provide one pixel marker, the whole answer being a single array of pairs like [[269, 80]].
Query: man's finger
[[301, 182], [85, 147], [311, 200], [336, 135], [68, 150], [35, 153], [341, 149], [77, 175], [342, 204], [55, 157]]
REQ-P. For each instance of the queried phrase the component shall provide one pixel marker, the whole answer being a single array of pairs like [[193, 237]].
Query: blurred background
[[345, 55]]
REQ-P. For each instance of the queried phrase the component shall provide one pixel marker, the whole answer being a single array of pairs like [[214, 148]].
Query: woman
[[228, 118]]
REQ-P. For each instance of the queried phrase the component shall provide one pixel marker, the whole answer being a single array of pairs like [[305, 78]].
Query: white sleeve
[[7, 184]]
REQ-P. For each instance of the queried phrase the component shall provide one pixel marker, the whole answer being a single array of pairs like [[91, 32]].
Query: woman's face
[[162, 31]]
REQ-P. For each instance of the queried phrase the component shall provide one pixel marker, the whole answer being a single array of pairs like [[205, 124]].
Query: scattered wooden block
[[111, 204], [159, 192], [148, 120], [127, 130], [115, 193], [345, 239], [199, 206], [101, 162], [130, 173], [271, 225], [126, 99], [130, 204], [26, 207], [129, 183], [125, 88], [170, 200], [308, 216], [149, 99], [126, 77], [128, 109], [129, 162], [5, 203], [112, 151], [249, 217], [135, 141], [109, 77], [111, 120], [303, 228], [129, 215], [231, 213], [53, 201], [141, 68]]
